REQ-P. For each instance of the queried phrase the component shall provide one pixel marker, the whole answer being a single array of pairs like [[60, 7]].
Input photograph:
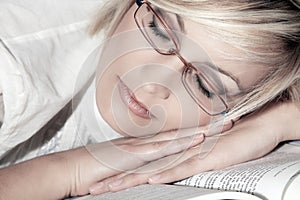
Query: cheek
[[187, 115], [178, 111], [188, 120]]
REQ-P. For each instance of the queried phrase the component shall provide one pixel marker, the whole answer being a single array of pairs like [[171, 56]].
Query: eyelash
[[203, 89], [157, 31]]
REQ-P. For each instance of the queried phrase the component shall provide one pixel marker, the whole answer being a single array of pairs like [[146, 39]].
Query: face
[[141, 91]]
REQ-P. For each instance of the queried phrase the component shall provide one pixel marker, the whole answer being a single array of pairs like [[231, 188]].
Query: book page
[[293, 191], [150, 192], [266, 177], [229, 195], [170, 192]]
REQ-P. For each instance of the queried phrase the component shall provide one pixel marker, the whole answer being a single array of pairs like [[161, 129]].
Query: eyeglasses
[[199, 79]]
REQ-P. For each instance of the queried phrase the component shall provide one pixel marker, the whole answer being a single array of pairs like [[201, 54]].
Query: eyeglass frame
[[176, 52]]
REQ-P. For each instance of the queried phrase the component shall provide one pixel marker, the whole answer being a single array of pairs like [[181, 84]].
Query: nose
[[157, 90]]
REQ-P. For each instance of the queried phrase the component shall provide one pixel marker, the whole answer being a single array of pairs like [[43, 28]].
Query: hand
[[96, 162], [72, 172], [251, 137]]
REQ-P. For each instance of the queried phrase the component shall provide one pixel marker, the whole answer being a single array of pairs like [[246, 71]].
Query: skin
[[164, 95], [246, 131], [72, 172]]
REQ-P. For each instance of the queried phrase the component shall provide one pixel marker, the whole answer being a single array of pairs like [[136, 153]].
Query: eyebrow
[[234, 78], [219, 70], [228, 74], [162, 13]]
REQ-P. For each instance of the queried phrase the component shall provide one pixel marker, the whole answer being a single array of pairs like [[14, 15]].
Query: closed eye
[[203, 87], [158, 30]]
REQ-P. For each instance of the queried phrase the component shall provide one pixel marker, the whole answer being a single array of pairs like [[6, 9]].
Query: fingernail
[[154, 179], [115, 183], [95, 188]]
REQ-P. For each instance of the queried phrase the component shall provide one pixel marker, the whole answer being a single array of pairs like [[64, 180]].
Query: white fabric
[[87, 116], [46, 57], [103, 125]]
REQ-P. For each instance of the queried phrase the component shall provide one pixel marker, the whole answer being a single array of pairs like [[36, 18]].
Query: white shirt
[[46, 58]]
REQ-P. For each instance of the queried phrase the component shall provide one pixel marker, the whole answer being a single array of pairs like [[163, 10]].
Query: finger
[[179, 172], [102, 186], [220, 127], [126, 140], [140, 176], [209, 155], [177, 133], [133, 156], [118, 183], [164, 136], [156, 150], [186, 132], [201, 150], [223, 154], [162, 164], [128, 181], [124, 181]]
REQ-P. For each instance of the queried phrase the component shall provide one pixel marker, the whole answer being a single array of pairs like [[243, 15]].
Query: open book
[[273, 177]]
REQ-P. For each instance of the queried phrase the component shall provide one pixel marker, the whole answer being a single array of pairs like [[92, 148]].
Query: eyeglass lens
[[205, 87]]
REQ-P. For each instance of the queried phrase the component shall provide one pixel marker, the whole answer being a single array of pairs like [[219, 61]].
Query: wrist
[[290, 116], [82, 170], [54, 179], [74, 162]]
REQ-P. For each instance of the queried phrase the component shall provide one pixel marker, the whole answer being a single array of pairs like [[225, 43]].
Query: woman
[[170, 83], [257, 53]]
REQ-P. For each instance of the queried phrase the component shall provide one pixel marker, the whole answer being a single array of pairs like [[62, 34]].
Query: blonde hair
[[267, 31], [109, 16]]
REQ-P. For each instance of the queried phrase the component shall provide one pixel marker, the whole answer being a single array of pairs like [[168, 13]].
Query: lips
[[131, 102]]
